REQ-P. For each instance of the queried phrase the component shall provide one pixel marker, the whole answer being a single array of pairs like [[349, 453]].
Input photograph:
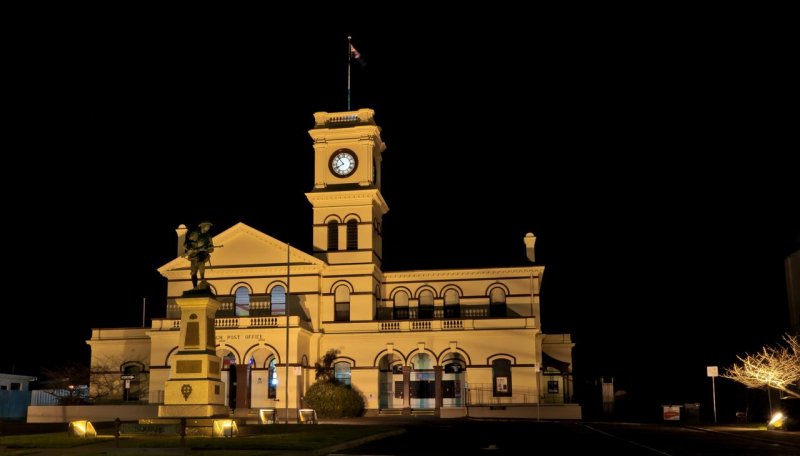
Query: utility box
[[691, 413]]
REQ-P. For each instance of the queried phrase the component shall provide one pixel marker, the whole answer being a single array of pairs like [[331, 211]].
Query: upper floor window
[[497, 302], [352, 234], [451, 304], [241, 302], [277, 299], [341, 303], [333, 236], [425, 309], [401, 305]]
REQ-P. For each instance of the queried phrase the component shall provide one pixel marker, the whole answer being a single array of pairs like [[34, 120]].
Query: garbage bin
[[672, 412], [691, 413]]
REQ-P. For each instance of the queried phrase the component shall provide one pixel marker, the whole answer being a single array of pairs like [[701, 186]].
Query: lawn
[[265, 437]]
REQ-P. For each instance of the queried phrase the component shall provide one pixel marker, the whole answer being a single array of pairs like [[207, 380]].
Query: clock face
[[343, 162]]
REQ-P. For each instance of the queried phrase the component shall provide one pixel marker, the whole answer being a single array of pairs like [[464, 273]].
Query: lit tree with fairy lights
[[774, 366]]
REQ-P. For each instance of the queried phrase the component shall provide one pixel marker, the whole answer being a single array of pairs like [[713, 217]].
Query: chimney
[[530, 241], [181, 230]]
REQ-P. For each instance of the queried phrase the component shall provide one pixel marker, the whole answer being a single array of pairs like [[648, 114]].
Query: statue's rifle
[[193, 251]]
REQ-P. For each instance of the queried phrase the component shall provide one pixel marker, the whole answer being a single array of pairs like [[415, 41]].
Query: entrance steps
[[390, 412]]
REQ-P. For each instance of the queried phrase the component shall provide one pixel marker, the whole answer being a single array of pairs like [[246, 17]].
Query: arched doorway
[[263, 377], [390, 382], [454, 368], [422, 382], [228, 376]]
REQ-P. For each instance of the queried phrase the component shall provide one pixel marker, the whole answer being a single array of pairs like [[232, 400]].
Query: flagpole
[[349, 57], [286, 312]]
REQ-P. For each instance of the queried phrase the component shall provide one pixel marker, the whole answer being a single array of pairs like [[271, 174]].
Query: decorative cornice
[[335, 198], [324, 119], [221, 273], [488, 273]]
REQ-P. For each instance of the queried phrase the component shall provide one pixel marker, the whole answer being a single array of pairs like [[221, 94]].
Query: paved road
[[440, 437], [467, 437]]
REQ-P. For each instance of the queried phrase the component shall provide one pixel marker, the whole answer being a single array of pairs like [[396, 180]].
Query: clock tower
[[347, 201]]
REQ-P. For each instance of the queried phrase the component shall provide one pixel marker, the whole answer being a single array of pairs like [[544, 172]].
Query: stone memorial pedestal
[[194, 388]]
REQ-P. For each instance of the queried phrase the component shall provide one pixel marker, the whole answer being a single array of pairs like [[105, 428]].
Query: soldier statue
[[199, 246]]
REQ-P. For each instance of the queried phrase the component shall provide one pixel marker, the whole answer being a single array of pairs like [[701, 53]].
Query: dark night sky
[[652, 162]]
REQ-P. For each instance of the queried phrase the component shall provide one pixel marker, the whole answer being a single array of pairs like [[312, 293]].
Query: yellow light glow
[[777, 420], [82, 428], [225, 428], [266, 416], [308, 416]]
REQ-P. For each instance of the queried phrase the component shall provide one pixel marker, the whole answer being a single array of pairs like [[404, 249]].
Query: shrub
[[334, 400]]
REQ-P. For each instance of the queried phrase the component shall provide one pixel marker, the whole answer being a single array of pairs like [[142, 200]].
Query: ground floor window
[[342, 373], [501, 377], [272, 387]]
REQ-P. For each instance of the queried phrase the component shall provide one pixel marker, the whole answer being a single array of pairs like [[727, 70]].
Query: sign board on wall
[[672, 413]]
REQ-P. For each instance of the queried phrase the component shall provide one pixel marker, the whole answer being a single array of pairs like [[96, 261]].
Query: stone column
[[406, 390], [437, 378]]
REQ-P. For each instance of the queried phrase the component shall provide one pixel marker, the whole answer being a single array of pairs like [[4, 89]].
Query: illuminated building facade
[[449, 342], [793, 291]]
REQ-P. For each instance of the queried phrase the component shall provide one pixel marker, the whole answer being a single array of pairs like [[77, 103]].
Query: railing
[[424, 325], [421, 325], [446, 312], [259, 307], [483, 394], [167, 324]]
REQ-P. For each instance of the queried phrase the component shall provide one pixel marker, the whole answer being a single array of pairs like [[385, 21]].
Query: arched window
[[501, 377], [272, 384], [352, 234], [497, 302], [425, 304], [242, 302], [277, 299], [452, 309], [401, 305], [134, 385], [333, 236], [341, 372], [341, 306]]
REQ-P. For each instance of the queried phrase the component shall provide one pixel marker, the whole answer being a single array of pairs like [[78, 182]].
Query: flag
[[357, 55]]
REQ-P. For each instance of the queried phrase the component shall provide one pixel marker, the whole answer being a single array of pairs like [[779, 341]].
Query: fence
[[14, 404]]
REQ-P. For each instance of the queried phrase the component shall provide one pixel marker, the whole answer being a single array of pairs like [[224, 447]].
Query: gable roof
[[244, 246]]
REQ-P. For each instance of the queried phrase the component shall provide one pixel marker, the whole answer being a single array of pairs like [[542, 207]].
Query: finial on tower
[[530, 241]]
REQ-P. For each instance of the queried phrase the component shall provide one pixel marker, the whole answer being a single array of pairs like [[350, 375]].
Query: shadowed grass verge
[[268, 437]]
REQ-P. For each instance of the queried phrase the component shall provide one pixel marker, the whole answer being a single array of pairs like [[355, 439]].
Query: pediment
[[244, 246]]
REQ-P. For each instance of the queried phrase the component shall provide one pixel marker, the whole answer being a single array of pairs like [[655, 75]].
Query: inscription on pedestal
[[189, 367], [192, 334]]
